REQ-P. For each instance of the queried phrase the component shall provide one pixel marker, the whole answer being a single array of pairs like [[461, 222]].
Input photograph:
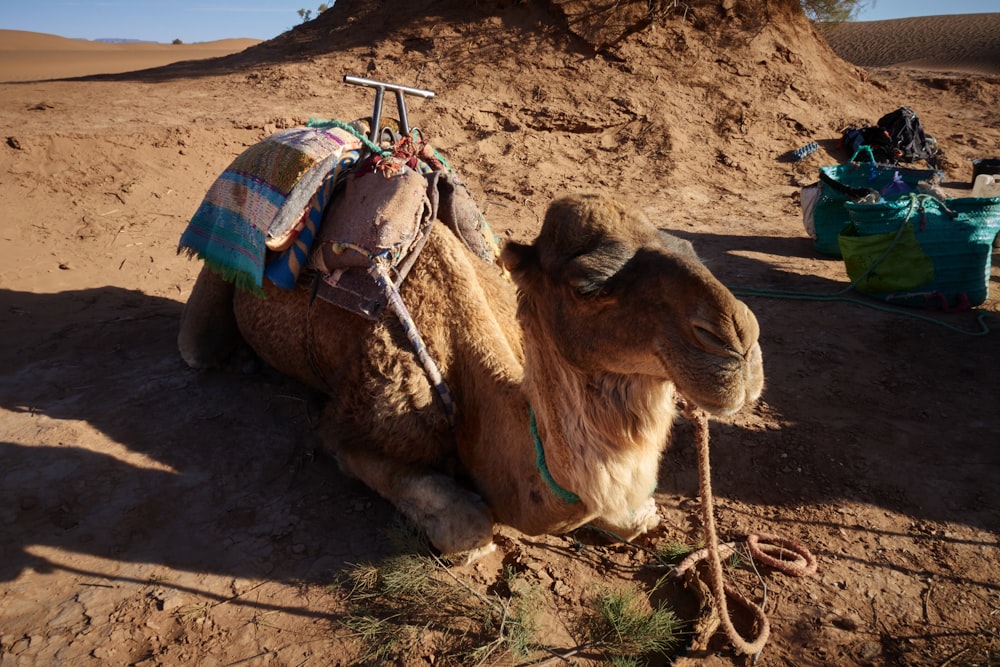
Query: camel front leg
[[454, 519]]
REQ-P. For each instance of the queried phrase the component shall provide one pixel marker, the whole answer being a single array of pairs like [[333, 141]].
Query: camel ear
[[586, 274], [678, 245], [519, 259]]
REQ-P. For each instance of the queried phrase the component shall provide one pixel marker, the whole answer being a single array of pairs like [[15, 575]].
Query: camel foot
[[454, 519]]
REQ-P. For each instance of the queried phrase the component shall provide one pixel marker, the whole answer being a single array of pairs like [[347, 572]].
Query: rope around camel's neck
[[803, 565]]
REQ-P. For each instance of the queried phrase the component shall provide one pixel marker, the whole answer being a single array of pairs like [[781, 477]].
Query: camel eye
[[591, 288]]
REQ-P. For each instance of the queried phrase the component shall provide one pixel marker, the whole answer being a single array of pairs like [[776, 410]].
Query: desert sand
[[30, 56], [153, 515], [963, 43]]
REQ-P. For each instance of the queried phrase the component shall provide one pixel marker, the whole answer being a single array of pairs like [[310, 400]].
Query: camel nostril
[[708, 337]]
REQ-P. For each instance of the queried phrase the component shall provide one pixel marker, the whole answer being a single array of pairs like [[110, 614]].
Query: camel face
[[616, 295]]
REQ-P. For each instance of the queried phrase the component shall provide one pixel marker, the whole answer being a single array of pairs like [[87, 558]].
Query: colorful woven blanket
[[263, 201]]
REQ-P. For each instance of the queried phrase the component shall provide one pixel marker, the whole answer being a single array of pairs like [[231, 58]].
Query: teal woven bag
[[957, 236], [844, 183]]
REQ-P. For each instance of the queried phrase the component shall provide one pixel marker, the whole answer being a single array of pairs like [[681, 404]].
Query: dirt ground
[[154, 515]]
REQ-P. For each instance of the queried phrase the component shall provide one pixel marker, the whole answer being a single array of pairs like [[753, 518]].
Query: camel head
[[616, 295]]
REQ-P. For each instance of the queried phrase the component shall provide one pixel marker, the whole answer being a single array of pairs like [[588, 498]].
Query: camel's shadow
[[113, 448]]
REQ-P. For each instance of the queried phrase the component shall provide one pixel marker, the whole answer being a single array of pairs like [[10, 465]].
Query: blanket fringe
[[238, 278]]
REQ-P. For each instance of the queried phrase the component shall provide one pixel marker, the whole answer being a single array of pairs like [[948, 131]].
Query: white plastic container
[[986, 185]]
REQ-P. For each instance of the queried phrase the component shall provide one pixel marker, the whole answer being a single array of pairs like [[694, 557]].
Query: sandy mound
[[957, 42], [151, 515]]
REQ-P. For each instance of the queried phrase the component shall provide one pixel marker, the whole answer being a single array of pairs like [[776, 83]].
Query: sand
[[31, 56], [153, 515], [957, 42]]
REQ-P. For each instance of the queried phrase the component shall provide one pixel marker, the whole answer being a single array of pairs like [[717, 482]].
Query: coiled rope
[[766, 548]]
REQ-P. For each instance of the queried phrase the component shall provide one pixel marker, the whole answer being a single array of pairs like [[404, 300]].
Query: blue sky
[[196, 21], [880, 10], [155, 20]]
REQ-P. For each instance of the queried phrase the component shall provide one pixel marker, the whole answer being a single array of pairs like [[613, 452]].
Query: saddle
[[384, 215]]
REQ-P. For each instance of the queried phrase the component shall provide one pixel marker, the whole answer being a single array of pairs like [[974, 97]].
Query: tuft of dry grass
[[414, 601], [623, 625]]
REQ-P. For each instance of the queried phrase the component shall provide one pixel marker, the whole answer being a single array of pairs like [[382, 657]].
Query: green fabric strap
[[543, 470]]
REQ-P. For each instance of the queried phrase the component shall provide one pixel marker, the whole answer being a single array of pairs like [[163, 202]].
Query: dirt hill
[[659, 95], [151, 515]]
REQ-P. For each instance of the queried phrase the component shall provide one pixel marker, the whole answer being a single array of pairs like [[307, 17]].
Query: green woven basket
[[845, 182], [956, 236]]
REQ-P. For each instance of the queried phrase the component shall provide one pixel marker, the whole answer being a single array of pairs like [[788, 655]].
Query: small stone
[[171, 601], [848, 623], [867, 650], [103, 653]]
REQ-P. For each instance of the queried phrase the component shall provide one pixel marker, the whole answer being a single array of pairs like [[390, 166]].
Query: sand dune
[[32, 56], [956, 42]]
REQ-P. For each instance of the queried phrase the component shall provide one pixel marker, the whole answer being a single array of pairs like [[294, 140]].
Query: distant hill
[[119, 40], [27, 56]]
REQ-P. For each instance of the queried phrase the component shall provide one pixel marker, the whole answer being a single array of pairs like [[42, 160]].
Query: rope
[[840, 295], [349, 127], [564, 495], [767, 548], [380, 274], [427, 152]]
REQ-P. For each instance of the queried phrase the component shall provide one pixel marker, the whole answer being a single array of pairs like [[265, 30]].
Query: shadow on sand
[[118, 450]]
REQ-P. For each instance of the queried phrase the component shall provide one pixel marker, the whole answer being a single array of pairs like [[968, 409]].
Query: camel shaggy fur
[[564, 381]]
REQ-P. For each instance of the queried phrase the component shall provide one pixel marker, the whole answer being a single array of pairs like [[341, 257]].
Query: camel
[[564, 374]]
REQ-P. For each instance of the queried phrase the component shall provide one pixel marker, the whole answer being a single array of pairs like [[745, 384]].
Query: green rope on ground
[[840, 296]]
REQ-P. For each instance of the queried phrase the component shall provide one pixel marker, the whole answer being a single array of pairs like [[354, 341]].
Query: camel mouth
[[723, 382]]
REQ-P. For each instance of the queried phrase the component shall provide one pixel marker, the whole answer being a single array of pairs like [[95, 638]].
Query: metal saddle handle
[[380, 88]]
